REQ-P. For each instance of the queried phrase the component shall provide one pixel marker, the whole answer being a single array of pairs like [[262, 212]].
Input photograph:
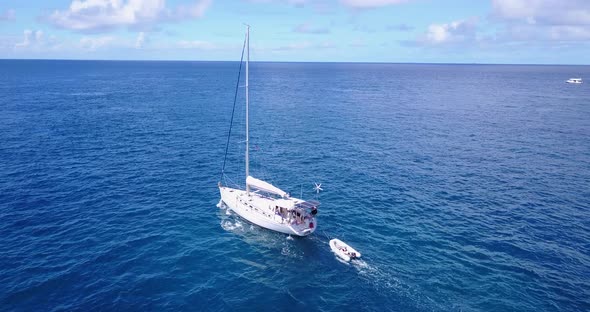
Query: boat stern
[[305, 228]]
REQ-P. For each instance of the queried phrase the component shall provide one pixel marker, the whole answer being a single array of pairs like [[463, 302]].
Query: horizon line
[[319, 62]]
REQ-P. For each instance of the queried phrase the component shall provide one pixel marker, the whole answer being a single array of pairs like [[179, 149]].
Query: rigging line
[[233, 110]]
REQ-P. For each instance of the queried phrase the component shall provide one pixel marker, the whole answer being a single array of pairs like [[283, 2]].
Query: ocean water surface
[[465, 187]]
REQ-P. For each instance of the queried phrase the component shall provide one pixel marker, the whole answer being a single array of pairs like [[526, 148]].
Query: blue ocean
[[465, 187]]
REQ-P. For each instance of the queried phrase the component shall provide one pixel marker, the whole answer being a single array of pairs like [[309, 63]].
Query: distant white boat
[[267, 205], [343, 250], [574, 80]]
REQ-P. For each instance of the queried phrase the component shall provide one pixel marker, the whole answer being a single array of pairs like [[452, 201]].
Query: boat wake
[[231, 226], [288, 251], [229, 222], [342, 261], [373, 274], [386, 281], [361, 265]]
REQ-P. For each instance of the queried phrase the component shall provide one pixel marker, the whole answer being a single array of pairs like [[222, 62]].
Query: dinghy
[[344, 251]]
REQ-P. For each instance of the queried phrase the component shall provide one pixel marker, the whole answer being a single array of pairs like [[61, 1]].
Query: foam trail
[[341, 260]]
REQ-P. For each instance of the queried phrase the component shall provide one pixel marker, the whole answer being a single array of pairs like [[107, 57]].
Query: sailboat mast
[[247, 107]]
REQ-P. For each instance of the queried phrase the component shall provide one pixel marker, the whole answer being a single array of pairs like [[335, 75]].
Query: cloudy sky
[[448, 31]]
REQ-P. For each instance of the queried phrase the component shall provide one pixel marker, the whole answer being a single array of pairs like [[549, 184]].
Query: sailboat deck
[[270, 212]]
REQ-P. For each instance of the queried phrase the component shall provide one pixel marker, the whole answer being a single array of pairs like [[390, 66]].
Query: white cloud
[[536, 33], [569, 33], [543, 20], [194, 10], [544, 12], [37, 41], [98, 15], [94, 43], [30, 38], [369, 4], [9, 15], [450, 33], [38, 35], [140, 41]]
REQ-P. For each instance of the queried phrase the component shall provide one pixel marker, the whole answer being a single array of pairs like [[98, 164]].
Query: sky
[[397, 31]]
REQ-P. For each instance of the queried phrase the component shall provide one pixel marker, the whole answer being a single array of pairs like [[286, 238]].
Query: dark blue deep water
[[466, 187]]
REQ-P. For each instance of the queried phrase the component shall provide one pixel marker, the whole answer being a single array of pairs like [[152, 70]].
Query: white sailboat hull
[[259, 210]]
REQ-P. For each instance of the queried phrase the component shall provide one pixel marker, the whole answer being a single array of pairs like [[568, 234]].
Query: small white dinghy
[[344, 251]]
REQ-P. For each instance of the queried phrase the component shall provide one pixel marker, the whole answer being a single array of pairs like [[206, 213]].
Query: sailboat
[[262, 203]]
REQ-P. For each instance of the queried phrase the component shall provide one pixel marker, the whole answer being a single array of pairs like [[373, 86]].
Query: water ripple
[[464, 187]]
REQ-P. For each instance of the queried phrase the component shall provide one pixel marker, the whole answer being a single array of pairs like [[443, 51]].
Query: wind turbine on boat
[[318, 187]]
